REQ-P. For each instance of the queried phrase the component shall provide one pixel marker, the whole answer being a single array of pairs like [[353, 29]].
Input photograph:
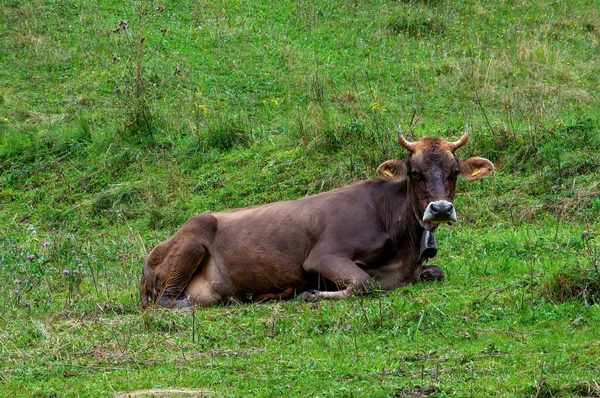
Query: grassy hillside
[[120, 120]]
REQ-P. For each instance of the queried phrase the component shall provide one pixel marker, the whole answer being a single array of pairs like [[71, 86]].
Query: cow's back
[[262, 248]]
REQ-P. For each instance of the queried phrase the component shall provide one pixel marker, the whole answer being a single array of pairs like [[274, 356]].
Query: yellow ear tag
[[476, 172], [388, 173]]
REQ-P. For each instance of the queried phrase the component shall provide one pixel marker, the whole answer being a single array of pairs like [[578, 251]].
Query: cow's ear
[[392, 170], [475, 168]]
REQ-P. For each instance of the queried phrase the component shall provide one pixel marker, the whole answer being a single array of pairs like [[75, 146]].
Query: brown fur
[[329, 245]]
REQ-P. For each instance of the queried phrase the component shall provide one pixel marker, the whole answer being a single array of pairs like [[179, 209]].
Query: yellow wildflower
[[378, 107]]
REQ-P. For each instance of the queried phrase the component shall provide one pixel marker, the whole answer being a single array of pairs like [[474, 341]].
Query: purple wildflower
[[75, 271], [121, 27], [46, 244], [80, 265], [116, 91], [464, 318], [16, 291], [73, 251], [30, 257], [66, 271], [586, 234], [17, 281]]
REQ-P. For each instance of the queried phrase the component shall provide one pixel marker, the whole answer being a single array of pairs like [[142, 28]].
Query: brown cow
[[325, 246]]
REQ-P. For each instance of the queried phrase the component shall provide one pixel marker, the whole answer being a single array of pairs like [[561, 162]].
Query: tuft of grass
[[224, 133], [580, 282], [416, 25], [577, 283]]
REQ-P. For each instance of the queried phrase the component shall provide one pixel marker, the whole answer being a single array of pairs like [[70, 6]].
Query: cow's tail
[[143, 293], [146, 291]]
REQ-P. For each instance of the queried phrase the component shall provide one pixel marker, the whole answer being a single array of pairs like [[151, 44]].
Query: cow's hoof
[[432, 273], [171, 303], [310, 296]]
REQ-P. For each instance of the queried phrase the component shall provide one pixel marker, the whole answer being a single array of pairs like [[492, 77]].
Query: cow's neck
[[396, 211]]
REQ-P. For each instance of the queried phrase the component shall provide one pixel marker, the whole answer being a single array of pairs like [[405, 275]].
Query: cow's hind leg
[[170, 265], [168, 270]]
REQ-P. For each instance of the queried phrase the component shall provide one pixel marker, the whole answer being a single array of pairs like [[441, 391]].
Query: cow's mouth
[[440, 211]]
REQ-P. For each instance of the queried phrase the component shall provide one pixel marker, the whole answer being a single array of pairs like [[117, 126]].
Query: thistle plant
[[73, 278], [136, 92]]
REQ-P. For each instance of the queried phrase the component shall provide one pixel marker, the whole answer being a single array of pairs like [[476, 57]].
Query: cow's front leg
[[339, 270], [431, 273]]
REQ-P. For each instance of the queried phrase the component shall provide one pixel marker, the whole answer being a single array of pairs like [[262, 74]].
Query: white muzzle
[[439, 211]]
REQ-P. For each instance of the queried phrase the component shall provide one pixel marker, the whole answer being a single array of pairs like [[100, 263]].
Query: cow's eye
[[416, 175], [454, 175]]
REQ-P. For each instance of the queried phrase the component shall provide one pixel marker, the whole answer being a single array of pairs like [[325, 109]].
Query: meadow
[[121, 119]]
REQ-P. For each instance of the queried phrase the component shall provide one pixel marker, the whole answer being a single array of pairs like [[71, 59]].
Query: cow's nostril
[[439, 211], [441, 207]]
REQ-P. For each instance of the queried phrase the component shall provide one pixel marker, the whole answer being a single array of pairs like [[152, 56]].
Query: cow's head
[[432, 169]]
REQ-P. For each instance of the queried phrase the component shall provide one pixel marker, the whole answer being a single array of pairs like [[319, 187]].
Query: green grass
[[490, 323], [109, 143]]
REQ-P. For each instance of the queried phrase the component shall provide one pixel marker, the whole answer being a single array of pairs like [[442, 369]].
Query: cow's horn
[[462, 140], [409, 146]]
